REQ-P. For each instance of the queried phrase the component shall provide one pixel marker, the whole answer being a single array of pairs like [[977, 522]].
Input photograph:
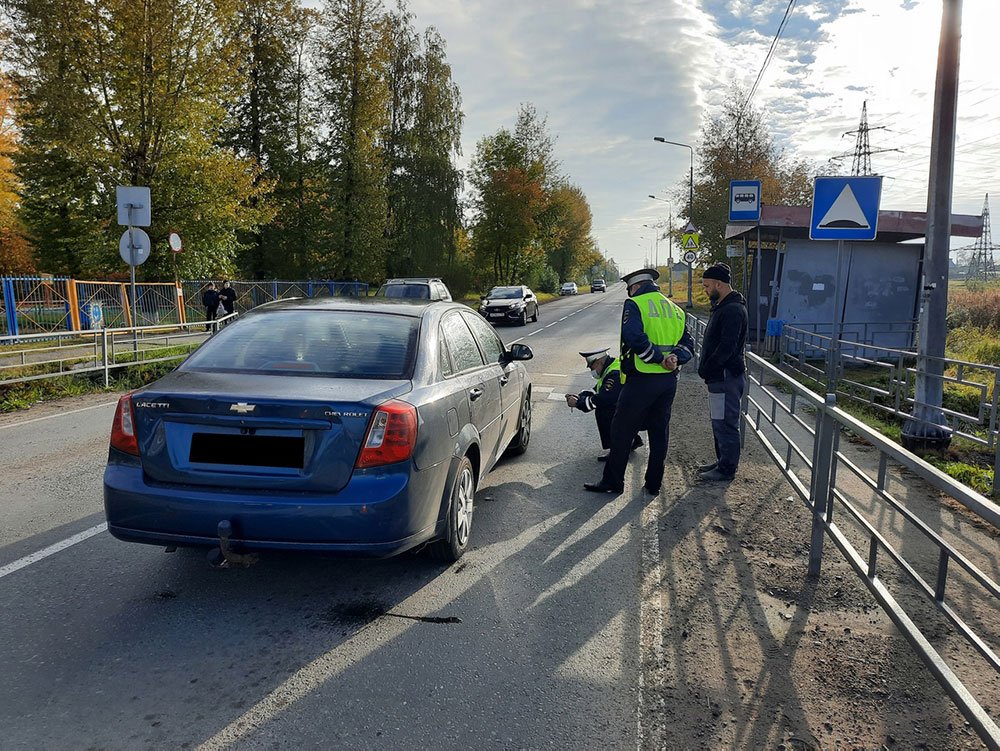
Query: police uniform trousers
[[604, 417], [645, 403]]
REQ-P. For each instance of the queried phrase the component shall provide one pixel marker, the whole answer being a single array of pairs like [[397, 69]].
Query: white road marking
[[557, 397], [542, 389], [17, 565], [60, 414], [554, 375], [517, 340], [534, 332], [649, 720]]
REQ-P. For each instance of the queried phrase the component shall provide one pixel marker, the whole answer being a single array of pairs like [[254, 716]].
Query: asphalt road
[[105, 644]]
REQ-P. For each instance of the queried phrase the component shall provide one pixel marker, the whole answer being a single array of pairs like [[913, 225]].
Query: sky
[[609, 75]]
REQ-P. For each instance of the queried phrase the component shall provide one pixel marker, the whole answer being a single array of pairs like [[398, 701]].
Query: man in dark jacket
[[603, 400], [654, 343], [210, 299], [723, 368], [227, 297]]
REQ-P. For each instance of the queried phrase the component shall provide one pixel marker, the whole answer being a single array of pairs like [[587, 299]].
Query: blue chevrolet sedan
[[338, 425]]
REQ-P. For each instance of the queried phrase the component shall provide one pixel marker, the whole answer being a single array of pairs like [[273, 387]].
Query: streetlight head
[[652, 196], [660, 139]]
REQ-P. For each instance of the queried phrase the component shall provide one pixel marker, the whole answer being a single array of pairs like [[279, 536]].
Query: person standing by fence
[[210, 299], [723, 368], [227, 296]]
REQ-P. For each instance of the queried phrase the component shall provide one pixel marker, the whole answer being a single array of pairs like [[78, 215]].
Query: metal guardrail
[[800, 431], [892, 394], [103, 350]]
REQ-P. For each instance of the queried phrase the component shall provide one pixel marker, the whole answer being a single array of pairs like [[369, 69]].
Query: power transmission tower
[[982, 264], [862, 148]]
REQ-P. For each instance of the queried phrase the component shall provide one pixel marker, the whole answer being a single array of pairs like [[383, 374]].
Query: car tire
[[460, 506], [523, 320], [534, 318], [519, 444]]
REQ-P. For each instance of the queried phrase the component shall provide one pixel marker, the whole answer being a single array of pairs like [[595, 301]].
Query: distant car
[[422, 288], [568, 288], [336, 425], [511, 304], [598, 285]]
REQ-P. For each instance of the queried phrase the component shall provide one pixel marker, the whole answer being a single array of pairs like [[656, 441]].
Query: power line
[[767, 57]]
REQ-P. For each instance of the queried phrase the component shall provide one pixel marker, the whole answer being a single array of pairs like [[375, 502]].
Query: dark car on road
[[598, 285], [335, 425], [515, 304], [423, 288]]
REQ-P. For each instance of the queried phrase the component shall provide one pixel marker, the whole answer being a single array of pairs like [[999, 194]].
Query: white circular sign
[[175, 242], [140, 240], [690, 257]]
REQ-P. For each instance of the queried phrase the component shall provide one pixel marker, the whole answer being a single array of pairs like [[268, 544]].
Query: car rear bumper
[[379, 513]]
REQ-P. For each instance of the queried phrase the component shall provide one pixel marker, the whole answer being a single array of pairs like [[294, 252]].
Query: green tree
[[124, 92], [511, 174], [423, 141], [737, 145], [273, 122], [355, 106], [570, 247]]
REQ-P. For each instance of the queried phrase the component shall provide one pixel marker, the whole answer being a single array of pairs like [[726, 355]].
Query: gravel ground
[[757, 655]]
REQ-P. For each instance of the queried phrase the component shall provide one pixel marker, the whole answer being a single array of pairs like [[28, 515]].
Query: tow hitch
[[224, 556]]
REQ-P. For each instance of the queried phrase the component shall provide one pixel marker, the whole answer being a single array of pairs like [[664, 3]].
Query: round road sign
[[690, 257], [175, 242], [138, 238]]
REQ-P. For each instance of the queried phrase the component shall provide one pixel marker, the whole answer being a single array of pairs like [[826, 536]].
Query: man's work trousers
[[645, 403], [724, 398]]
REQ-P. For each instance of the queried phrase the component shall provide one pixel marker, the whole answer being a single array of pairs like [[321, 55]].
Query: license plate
[[496, 315]]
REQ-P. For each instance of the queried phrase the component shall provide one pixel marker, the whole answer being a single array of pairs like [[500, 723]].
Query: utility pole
[[927, 428]]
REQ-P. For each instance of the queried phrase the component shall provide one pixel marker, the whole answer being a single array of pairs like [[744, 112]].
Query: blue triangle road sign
[[845, 208]]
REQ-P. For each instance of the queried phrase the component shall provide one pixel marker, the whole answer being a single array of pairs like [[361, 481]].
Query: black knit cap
[[719, 271]]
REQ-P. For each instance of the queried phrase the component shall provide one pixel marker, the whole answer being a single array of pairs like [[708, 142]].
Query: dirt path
[[754, 654]]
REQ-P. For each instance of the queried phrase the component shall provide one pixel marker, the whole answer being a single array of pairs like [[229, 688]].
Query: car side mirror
[[520, 352], [482, 297]]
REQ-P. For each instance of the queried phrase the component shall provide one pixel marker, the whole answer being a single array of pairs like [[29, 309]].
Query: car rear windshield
[[410, 291], [501, 293], [331, 343]]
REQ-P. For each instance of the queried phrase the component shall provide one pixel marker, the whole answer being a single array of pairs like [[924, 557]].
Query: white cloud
[[611, 75]]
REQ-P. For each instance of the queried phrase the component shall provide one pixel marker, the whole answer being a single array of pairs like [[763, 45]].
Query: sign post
[[843, 208], [134, 246], [690, 243]]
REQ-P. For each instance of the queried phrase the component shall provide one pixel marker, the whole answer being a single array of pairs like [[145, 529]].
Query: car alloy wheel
[[523, 320], [523, 436], [460, 508]]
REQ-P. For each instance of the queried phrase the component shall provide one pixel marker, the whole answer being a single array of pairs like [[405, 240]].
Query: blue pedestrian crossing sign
[[845, 208], [744, 200]]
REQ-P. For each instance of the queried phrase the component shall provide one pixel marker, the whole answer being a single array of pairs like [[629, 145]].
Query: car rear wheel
[[456, 541], [520, 443]]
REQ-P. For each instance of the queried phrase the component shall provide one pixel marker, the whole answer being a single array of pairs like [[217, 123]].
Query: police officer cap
[[594, 355], [642, 275]]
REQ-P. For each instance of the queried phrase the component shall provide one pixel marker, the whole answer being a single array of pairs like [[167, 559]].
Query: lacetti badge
[[243, 408]]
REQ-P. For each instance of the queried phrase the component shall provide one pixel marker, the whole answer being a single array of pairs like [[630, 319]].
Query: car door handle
[[504, 379], [475, 393]]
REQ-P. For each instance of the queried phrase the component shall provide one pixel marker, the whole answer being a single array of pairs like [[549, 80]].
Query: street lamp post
[[670, 244], [690, 175]]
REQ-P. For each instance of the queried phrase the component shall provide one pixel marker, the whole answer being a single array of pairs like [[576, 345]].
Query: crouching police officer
[[655, 342], [603, 400]]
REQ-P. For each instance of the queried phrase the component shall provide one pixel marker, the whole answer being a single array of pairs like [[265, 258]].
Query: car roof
[[400, 306]]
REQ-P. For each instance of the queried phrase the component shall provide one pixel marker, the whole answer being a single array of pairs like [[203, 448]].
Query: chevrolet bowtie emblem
[[243, 408]]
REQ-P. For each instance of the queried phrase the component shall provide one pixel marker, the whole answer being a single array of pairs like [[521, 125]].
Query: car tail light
[[123, 429], [392, 434]]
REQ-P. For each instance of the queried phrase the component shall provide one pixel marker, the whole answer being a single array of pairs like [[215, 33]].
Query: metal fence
[[35, 357], [929, 577], [884, 379], [250, 294], [49, 304]]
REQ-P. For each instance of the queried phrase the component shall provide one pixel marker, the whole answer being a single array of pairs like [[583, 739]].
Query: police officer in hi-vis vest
[[655, 342], [603, 400]]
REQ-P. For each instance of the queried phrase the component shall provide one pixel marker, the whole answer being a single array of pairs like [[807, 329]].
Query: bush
[[973, 306], [548, 280]]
